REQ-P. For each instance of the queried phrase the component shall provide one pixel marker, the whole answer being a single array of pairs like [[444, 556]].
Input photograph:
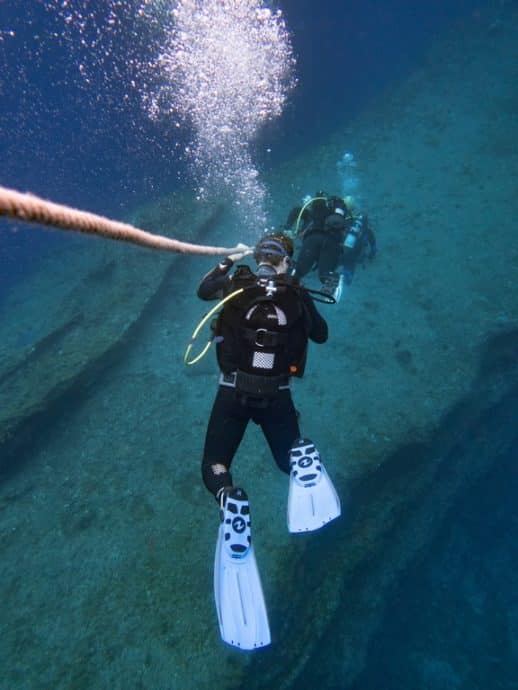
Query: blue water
[[91, 145], [349, 52], [455, 599]]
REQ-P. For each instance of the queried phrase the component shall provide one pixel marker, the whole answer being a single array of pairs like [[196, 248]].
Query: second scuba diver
[[334, 239]]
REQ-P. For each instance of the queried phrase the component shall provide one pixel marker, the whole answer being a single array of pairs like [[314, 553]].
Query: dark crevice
[[428, 478], [49, 341], [33, 432]]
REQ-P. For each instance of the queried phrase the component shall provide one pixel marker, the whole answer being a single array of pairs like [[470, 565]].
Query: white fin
[[312, 499], [242, 615]]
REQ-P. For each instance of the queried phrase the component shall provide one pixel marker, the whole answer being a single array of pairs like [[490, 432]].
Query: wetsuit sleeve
[[213, 284], [317, 325]]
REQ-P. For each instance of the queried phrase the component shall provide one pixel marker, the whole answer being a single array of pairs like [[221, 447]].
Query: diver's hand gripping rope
[[198, 328], [33, 209]]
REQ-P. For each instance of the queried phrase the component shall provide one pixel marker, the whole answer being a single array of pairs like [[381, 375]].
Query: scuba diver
[[334, 240], [261, 337]]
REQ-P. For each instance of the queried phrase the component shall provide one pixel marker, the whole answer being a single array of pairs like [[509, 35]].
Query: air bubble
[[227, 68]]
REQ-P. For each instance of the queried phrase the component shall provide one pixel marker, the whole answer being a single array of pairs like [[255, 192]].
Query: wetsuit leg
[[349, 266], [309, 253], [280, 425], [227, 424], [330, 255]]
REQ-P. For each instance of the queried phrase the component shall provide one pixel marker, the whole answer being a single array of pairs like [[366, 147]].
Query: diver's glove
[[245, 251], [225, 265]]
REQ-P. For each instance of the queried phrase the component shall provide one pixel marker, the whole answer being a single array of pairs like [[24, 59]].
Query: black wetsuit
[[323, 227], [247, 395]]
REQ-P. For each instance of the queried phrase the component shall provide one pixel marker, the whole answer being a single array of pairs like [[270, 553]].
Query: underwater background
[[88, 140], [106, 531]]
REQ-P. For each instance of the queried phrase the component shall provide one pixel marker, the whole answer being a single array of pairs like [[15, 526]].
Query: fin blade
[[339, 288], [312, 499], [242, 614]]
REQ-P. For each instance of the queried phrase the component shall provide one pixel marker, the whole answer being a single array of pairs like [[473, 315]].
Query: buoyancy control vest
[[264, 329]]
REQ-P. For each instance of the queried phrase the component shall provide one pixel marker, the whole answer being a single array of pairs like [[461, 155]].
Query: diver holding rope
[[261, 336]]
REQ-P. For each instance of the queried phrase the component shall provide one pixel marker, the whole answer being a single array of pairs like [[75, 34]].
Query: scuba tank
[[262, 331], [351, 239]]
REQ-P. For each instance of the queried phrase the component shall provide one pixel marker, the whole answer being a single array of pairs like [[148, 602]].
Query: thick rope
[[32, 209]]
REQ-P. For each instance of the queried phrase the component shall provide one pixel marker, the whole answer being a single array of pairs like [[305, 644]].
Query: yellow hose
[[198, 328], [316, 198]]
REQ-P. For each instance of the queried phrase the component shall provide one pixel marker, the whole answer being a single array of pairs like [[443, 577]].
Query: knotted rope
[[32, 209]]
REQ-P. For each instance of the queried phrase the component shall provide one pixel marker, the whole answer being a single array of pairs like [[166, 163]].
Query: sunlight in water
[[212, 71], [227, 68]]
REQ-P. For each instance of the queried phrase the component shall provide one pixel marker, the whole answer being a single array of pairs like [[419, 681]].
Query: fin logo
[[306, 470], [238, 525], [305, 462]]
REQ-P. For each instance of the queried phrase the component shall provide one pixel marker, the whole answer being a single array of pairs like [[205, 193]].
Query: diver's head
[[273, 254], [321, 195]]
